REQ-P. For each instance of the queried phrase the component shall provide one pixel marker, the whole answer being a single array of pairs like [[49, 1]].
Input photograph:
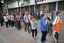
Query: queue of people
[[29, 22]]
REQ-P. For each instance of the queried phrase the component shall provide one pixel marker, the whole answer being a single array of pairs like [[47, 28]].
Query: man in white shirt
[[6, 20]]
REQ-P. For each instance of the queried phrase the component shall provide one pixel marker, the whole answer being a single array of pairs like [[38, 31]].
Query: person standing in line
[[12, 20], [21, 19], [27, 21], [1, 19], [57, 26], [36, 15], [24, 24], [9, 21], [43, 27], [49, 18], [33, 27], [18, 21], [15, 20], [6, 20]]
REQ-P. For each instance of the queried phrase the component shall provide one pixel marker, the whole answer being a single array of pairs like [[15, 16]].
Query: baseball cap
[[57, 12], [31, 17]]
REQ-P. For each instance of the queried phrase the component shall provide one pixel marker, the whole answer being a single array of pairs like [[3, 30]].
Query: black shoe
[[29, 32]]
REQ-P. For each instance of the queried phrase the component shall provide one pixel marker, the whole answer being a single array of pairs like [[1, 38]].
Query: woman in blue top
[[43, 27]]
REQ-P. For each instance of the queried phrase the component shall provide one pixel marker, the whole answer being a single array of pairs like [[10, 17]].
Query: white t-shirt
[[41, 12], [5, 18]]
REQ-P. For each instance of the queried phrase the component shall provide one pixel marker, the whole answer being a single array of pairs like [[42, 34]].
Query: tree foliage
[[25, 2], [28, 1], [8, 1]]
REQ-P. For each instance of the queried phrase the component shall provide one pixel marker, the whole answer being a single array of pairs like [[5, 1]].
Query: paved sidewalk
[[12, 35], [28, 36]]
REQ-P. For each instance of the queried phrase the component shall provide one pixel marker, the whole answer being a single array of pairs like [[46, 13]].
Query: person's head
[[18, 13], [26, 12], [11, 14], [43, 16], [58, 13], [15, 13], [32, 18], [4, 14], [7, 14], [49, 12]]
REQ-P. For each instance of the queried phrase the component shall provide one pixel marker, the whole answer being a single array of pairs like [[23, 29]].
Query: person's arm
[[46, 22], [29, 17], [55, 21], [24, 18], [31, 23], [35, 22]]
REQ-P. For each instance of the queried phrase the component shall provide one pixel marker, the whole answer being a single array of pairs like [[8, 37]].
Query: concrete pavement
[[12, 35]]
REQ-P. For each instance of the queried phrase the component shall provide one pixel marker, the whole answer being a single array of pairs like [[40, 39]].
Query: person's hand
[[47, 21]]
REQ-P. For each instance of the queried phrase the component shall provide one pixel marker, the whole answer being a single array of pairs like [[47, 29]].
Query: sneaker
[[34, 39], [43, 42]]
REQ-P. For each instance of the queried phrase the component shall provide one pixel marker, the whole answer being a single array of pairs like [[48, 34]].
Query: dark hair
[[42, 15], [49, 11]]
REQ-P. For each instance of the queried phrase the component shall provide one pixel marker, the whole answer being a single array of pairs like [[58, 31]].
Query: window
[[27, 8], [31, 8], [44, 6], [21, 8], [11, 11], [52, 6], [38, 7], [61, 5]]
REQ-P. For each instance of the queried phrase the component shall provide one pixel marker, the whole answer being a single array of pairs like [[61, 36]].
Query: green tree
[[10, 1], [7, 2], [27, 1]]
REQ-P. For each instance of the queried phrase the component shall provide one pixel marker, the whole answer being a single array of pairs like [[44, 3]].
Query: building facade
[[52, 5]]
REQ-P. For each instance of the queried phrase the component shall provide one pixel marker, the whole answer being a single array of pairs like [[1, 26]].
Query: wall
[[44, 5], [48, 1], [15, 4], [32, 2]]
